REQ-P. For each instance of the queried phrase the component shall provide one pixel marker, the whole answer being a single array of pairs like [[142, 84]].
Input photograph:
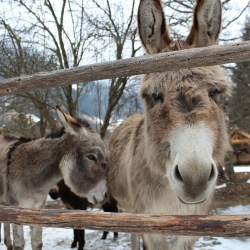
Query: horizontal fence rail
[[216, 225], [197, 57]]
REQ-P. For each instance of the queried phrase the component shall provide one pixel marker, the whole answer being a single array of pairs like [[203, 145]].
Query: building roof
[[239, 136]]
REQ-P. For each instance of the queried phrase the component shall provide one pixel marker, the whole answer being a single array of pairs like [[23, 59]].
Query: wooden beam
[[216, 225], [127, 67], [241, 141]]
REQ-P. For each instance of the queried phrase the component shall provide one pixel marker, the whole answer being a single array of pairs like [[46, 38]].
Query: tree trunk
[[229, 166]]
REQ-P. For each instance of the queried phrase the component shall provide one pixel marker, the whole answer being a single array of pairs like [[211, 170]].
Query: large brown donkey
[[29, 168], [165, 161]]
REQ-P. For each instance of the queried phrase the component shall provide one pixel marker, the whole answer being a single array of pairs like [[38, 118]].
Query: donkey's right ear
[[152, 26], [70, 124]]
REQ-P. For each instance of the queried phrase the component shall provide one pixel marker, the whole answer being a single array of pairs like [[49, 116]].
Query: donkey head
[[186, 135], [83, 165]]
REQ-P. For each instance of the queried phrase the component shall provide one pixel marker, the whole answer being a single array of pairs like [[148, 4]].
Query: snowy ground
[[58, 238]]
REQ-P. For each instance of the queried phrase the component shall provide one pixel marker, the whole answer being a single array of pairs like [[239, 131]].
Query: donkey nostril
[[212, 173], [103, 165], [178, 174]]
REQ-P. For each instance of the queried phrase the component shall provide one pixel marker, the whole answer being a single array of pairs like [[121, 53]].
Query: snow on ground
[[221, 186], [59, 239], [238, 169]]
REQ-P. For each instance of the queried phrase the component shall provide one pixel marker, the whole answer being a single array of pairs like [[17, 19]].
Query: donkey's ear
[[152, 26], [206, 23], [70, 124]]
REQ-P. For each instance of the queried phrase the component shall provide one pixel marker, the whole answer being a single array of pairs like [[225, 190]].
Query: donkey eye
[[92, 158], [157, 97], [213, 93]]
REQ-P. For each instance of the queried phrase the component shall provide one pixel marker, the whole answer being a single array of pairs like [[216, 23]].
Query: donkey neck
[[36, 163], [141, 146]]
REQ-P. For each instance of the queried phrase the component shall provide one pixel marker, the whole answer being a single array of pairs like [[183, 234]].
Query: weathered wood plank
[[217, 225], [126, 67]]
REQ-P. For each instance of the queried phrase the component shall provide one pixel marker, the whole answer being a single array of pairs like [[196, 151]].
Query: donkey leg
[[183, 243], [74, 243], [18, 237], [7, 238], [81, 239], [155, 242], [36, 237], [135, 241], [115, 236], [104, 235]]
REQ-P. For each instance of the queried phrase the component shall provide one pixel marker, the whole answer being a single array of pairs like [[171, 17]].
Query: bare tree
[[179, 14], [41, 36], [114, 25], [17, 58], [239, 106], [69, 39]]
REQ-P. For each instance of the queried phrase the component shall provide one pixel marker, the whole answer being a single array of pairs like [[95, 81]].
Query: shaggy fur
[[165, 160], [29, 168]]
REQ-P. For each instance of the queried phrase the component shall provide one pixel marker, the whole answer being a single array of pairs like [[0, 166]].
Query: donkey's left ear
[[206, 23], [70, 124]]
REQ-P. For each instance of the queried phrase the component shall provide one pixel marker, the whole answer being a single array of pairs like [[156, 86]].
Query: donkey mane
[[56, 133], [9, 137], [19, 141]]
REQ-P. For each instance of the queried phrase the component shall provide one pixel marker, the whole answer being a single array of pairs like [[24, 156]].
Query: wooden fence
[[126, 67], [217, 225]]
